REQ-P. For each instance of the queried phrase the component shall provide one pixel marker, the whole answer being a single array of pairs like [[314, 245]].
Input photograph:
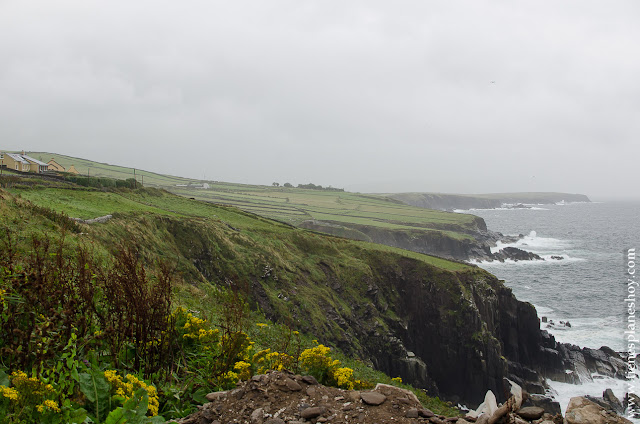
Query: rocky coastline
[[476, 248]]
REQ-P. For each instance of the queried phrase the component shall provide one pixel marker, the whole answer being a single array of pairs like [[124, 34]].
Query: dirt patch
[[284, 398]]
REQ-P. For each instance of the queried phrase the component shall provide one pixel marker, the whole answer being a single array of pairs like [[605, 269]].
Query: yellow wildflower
[[243, 369], [48, 404], [9, 392], [344, 378]]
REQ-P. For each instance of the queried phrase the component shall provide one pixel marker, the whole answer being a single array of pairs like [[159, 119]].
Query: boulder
[[373, 398], [632, 404], [488, 407], [309, 379], [613, 401], [312, 412], [583, 411], [257, 416], [213, 396], [516, 392], [531, 413], [426, 413], [412, 413], [549, 405], [292, 385]]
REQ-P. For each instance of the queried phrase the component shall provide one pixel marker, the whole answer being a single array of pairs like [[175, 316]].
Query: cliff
[[438, 242], [450, 328]]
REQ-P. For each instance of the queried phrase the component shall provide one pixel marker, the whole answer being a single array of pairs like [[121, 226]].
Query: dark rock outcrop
[[454, 333], [431, 241], [549, 405], [514, 254], [608, 401]]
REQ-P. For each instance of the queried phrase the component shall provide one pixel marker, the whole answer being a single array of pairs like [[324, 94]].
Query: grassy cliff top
[[88, 203], [293, 205]]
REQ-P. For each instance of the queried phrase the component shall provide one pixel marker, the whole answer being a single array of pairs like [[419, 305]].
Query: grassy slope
[[209, 242], [293, 205], [83, 203], [99, 169]]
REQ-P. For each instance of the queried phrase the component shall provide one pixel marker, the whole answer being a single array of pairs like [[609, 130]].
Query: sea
[[586, 288]]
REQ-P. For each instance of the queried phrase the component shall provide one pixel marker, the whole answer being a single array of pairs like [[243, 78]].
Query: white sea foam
[[511, 263], [563, 392], [593, 332], [543, 310], [528, 208], [533, 242], [590, 332]]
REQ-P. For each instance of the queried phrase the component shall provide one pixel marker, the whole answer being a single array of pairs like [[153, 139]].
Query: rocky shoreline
[[488, 239], [280, 397]]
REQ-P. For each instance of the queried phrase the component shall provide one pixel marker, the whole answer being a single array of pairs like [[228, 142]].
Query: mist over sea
[[586, 288]]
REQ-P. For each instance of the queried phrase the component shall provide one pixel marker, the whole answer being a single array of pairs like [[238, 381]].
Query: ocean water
[[587, 288]]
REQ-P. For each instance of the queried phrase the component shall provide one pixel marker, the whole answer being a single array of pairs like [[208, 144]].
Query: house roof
[[36, 161], [17, 158]]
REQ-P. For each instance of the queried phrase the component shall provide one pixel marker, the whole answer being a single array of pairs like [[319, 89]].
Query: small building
[[36, 166], [196, 185], [14, 161], [72, 170], [55, 166], [22, 162]]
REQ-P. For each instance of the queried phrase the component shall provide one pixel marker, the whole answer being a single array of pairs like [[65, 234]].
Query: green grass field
[[98, 169], [313, 275], [291, 205], [92, 203]]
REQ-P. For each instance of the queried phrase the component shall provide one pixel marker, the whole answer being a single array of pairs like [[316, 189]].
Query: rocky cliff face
[[446, 202], [459, 335], [430, 242], [456, 334]]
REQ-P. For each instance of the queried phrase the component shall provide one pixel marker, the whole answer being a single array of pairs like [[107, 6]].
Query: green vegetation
[[97, 169], [299, 206], [293, 205], [148, 312]]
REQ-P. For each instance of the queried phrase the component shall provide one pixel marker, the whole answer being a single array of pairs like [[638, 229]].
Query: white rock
[[516, 391], [488, 407]]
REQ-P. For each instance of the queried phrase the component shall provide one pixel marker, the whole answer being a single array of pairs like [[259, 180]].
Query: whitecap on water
[[504, 208], [534, 243], [593, 332], [563, 392]]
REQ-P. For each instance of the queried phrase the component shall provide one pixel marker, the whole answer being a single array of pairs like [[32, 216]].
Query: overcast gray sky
[[451, 96]]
